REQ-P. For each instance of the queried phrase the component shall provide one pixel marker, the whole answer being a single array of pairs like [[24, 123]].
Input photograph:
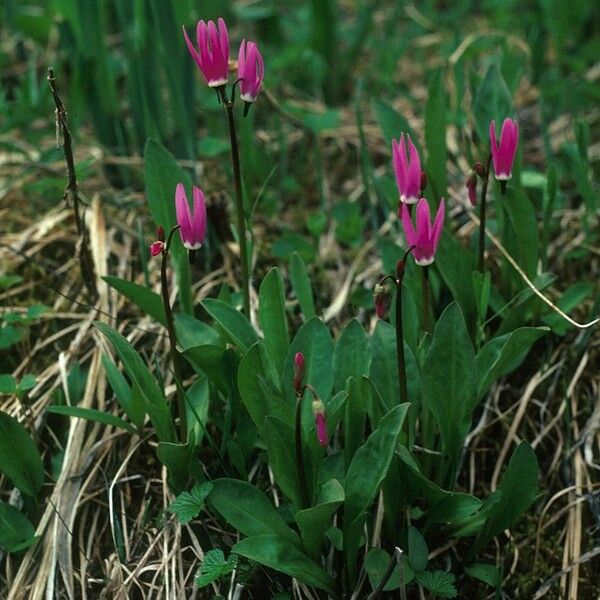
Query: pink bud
[[382, 301], [407, 168], [160, 233], [423, 181], [157, 248], [472, 189], [251, 71], [298, 372], [503, 153], [192, 224], [318, 409]]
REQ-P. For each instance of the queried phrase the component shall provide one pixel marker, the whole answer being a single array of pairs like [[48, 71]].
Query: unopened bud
[[298, 372], [382, 300], [479, 169], [318, 409], [472, 189], [160, 233]]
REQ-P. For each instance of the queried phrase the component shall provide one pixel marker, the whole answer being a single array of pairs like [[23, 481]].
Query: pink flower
[[318, 409], [251, 71], [157, 248], [503, 155], [408, 172], [212, 55], [425, 239], [192, 225], [298, 372]]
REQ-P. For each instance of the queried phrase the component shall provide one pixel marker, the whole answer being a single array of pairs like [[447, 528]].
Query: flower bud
[[479, 169], [472, 189], [298, 373], [423, 181], [318, 409], [160, 233], [382, 300]]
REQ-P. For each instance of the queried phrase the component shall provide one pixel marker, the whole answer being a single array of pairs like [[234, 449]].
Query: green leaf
[[15, 528], [145, 299], [418, 554], [392, 124], [315, 522], [122, 391], [448, 380], [20, 460], [272, 317], [454, 507], [192, 332], [384, 365], [277, 553], [9, 336], [155, 404], [91, 414], [214, 566], [301, 286], [314, 341], [492, 101], [489, 574], [440, 583], [376, 564], [28, 382], [503, 354], [161, 176], [235, 324], [282, 457], [352, 355], [8, 384], [435, 137], [181, 461], [248, 510], [517, 488], [290, 243], [187, 505]]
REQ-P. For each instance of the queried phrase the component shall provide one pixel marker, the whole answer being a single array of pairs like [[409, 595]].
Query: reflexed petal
[[199, 218], [423, 222], [438, 225], [182, 211], [409, 230]]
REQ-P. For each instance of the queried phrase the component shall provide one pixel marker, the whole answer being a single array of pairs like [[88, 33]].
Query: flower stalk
[[164, 286], [482, 214]]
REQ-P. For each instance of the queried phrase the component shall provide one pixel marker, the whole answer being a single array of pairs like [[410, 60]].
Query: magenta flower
[[192, 224], [503, 155], [251, 70], [212, 55], [408, 170], [318, 409], [425, 239]]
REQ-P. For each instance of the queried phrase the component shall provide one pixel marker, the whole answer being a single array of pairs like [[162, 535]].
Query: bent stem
[[164, 286], [299, 453], [239, 201], [426, 301], [482, 207]]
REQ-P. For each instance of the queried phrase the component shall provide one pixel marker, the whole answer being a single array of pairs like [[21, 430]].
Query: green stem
[[172, 338], [482, 207], [426, 301], [239, 203], [401, 358], [299, 453]]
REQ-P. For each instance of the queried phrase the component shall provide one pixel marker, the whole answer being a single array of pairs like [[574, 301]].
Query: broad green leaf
[[272, 316], [356, 408], [489, 574], [492, 101], [187, 505], [352, 355], [196, 407], [301, 285], [28, 382], [435, 137], [155, 404], [146, 300], [517, 488], [181, 461], [314, 341], [314, 522], [122, 391], [91, 414], [15, 528], [418, 554], [8, 384], [376, 565], [282, 457], [192, 332], [213, 361], [20, 460], [214, 566], [454, 507], [161, 176], [248, 510], [277, 553], [384, 365], [448, 380], [235, 324], [503, 354]]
